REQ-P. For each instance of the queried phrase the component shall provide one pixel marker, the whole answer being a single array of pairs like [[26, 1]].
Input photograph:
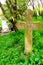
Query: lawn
[[12, 49], [38, 19], [11, 46]]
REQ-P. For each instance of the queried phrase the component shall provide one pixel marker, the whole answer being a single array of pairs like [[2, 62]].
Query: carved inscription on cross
[[28, 26]]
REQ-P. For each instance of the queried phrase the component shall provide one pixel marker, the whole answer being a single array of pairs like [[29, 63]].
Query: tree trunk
[[14, 24]]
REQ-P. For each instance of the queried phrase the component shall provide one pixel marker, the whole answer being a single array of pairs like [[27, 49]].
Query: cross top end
[[29, 12]]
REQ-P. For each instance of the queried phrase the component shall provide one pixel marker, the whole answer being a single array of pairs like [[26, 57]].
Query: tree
[[10, 11]]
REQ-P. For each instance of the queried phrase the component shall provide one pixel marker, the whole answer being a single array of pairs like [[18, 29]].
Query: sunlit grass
[[38, 19]]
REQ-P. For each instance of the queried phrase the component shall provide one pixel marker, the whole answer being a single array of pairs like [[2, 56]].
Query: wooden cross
[[28, 26]]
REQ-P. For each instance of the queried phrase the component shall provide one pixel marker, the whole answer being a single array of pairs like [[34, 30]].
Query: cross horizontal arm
[[20, 25], [35, 26]]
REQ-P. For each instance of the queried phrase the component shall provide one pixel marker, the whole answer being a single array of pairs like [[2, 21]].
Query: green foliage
[[0, 24], [38, 19]]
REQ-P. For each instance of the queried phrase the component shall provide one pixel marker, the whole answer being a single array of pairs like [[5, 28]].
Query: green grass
[[38, 19], [10, 39], [12, 49], [11, 46]]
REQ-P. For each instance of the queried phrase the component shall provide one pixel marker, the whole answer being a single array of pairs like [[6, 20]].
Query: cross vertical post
[[28, 31], [29, 26]]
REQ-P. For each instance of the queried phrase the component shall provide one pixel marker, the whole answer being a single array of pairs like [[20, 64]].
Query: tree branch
[[8, 5], [3, 11]]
